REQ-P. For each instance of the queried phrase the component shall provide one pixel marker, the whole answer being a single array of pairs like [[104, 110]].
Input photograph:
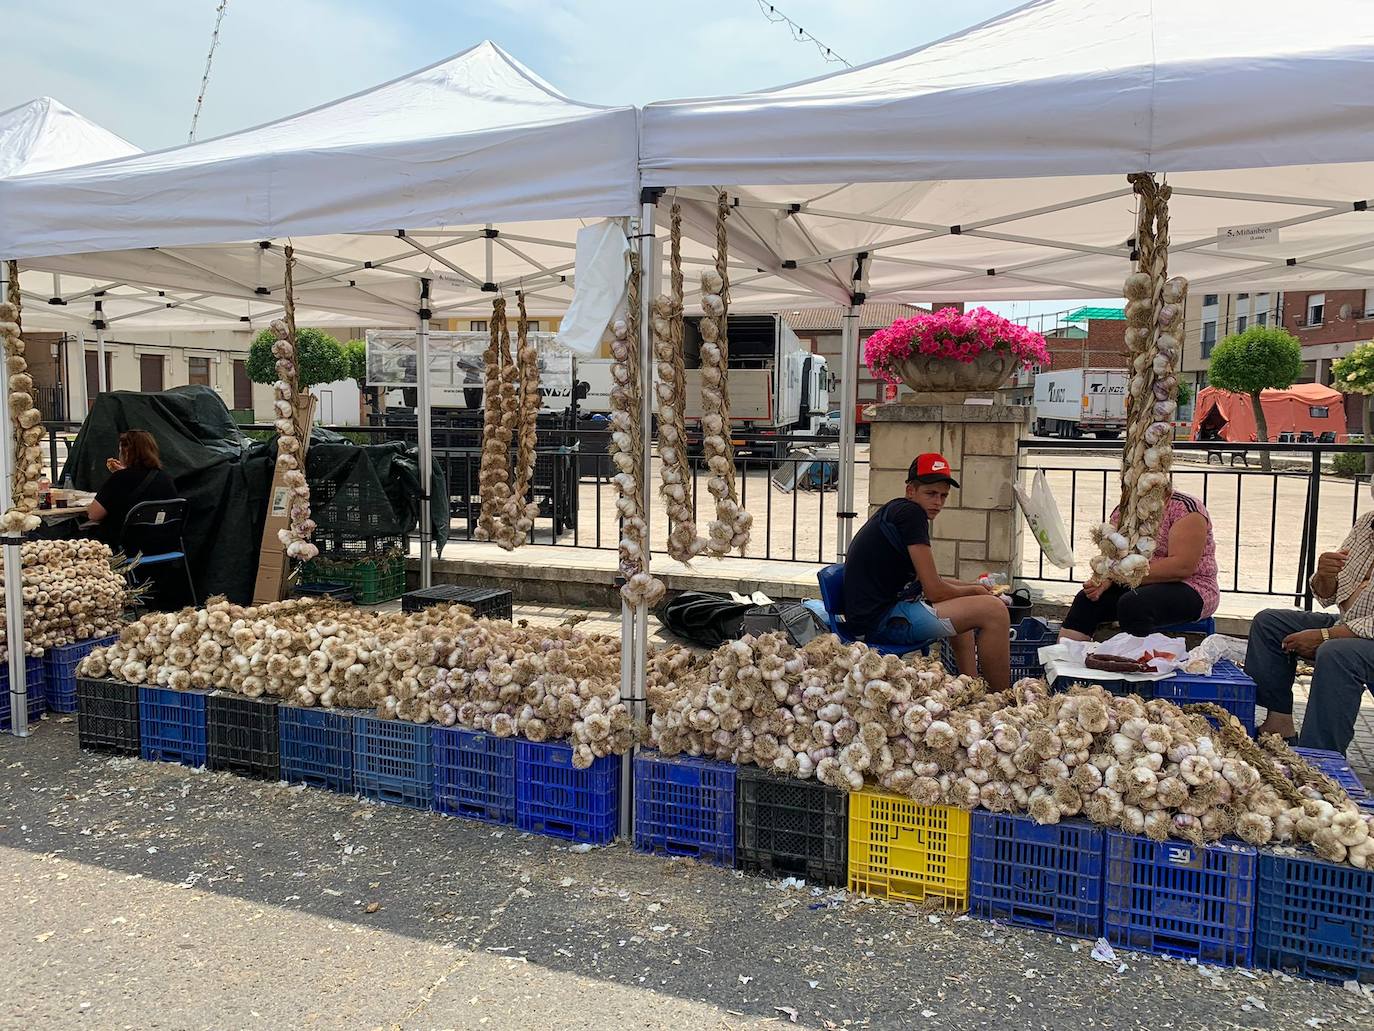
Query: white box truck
[[1072, 402]]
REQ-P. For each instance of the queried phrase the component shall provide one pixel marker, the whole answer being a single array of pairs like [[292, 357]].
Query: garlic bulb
[[1155, 315], [27, 467], [507, 514], [72, 591]]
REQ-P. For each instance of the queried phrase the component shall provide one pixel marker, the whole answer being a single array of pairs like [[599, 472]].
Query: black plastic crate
[[485, 602], [241, 736], [107, 716], [786, 827]]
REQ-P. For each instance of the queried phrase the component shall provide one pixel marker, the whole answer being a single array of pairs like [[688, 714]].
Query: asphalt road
[[152, 896]]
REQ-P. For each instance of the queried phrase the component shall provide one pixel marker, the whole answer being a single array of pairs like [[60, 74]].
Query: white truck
[[1072, 402], [777, 387]]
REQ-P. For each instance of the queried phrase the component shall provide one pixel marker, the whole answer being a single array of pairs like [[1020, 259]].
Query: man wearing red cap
[[894, 595]]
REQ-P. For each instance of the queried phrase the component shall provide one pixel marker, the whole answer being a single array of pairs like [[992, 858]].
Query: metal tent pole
[[99, 323], [13, 559], [849, 405], [423, 428]]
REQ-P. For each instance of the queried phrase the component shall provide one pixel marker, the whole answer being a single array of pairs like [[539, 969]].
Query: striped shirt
[[1355, 601]]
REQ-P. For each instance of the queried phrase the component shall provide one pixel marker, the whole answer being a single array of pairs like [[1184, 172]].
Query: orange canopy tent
[[1303, 407]]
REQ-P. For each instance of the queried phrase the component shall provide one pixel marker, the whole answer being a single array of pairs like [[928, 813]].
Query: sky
[[135, 66]]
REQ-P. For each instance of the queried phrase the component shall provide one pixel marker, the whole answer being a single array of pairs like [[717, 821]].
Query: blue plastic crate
[[33, 683], [474, 775], [393, 762], [553, 797], [316, 748], [1176, 899], [1045, 877], [1335, 766], [59, 671], [171, 726], [685, 806], [1227, 686], [1028, 637], [1315, 917]]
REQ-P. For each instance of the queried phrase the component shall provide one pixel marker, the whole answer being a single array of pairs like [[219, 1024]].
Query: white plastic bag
[[1042, 513]]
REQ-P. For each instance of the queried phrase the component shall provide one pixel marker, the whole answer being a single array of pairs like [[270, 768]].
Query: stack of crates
[[1048, 878], [900, 849], [786, 827], [373, 569], [474, 775], [485, 602], [1175, 899], [1226, 686], [107, 716], [685, 806], [1315, 917], [59, 671], [1028, 637], [316, 747], [393, 762], [553, 797], [171, 726], [33, 683], [242, 736]]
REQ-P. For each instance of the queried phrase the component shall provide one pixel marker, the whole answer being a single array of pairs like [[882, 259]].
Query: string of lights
[[800, 34]]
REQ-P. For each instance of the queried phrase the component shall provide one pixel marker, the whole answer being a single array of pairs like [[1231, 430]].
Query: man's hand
[[1303, 643], [1331, 563], [1093, 588]]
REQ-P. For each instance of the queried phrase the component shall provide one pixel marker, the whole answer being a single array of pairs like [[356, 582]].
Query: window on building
[[1316, 308], [534, 325], [1209, 338], [478, 326], [1261, 318], [1368, 311], [150, 373], [1242, 297], [1209, 300], [243, 386], [1319, 411], [1242, 322], [198, 372]]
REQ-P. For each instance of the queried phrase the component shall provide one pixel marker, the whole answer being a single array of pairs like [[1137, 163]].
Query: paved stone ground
[[152, 896]]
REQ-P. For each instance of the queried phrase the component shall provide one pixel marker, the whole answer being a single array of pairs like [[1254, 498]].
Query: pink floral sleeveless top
[[1204, 578]]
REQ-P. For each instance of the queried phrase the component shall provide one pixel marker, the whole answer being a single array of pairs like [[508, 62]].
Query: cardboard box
[[273, 566]]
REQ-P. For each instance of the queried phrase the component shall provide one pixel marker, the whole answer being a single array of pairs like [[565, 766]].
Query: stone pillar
[[979, 530]]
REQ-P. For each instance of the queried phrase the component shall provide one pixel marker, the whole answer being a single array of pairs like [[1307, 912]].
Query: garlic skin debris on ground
[[71, 591], [847, 715], [438, 665], [27, 426]]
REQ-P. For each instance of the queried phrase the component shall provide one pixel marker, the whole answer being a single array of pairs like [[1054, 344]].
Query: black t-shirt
[[125, 489], [877, 571]]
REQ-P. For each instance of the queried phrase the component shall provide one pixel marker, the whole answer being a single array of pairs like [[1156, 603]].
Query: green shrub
[[1348, 463]]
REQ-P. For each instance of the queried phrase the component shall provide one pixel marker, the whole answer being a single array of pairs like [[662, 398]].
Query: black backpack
[[793, 618], [708, 620]]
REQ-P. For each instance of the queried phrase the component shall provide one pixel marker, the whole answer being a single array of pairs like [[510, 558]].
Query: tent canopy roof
[[46, 134]]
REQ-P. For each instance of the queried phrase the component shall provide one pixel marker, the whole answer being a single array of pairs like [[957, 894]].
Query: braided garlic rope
[[292, 431], [674, 471], [1154, 316], [510, 415], [26, 420], [627, 452], [730, 528]]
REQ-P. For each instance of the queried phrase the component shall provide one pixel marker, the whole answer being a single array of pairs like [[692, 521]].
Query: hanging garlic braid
[[26, 423], [510, 416]]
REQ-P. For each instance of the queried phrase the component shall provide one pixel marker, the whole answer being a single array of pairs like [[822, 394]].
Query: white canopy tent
[[991, 164], [396, 202]]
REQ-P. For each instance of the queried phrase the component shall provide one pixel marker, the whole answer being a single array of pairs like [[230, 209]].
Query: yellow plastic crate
[[901, 850]]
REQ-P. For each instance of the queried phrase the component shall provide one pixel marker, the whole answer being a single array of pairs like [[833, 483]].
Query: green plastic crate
[[372, 580]]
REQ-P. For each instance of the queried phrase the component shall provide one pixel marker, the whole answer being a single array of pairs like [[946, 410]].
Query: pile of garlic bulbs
[[730, 528], [293, 431], [675, 472], [26, 422], [1154, 333], [72, 592], [847, 715], [510, 415], [438, 665], [626, 449]]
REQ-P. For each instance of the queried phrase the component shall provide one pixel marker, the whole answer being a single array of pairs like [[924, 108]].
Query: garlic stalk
[[293, 432], [26, 420], [510, 415]]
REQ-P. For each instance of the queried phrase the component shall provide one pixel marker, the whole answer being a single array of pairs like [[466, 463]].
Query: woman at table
[[1180, 587], [135, 476]]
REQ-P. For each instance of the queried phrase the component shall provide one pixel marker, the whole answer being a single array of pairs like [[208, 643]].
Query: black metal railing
[[1269, 526]]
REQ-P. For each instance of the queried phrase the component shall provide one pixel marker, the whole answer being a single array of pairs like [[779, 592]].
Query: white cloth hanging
[[603, 267]]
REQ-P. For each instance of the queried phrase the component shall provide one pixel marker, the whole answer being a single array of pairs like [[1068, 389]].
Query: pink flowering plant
[[950, 333]]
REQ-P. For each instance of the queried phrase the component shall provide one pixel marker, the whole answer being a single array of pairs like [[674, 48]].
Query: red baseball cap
[[930, 468]]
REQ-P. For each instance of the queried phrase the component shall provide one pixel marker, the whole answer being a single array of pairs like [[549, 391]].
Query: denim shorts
[[911, 623]]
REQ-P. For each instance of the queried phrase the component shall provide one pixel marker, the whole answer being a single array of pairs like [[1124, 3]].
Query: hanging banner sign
[[1235, 237]]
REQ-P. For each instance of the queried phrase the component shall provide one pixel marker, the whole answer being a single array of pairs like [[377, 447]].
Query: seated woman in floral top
[[1181, 586]]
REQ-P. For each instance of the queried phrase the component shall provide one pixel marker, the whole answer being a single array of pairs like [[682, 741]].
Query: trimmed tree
[[1354, 374], [1262, 358], [355, 353], [319, 355]]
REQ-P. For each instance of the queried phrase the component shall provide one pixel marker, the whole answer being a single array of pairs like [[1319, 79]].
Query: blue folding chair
[[153, 536], [831, 579], [1206, 627]]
